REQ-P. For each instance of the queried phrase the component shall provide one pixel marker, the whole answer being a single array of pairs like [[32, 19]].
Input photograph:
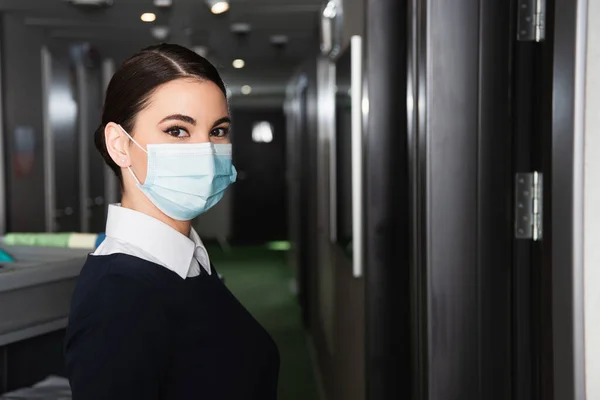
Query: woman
[[150, 319]]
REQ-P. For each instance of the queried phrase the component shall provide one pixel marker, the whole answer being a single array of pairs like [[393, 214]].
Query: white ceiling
[[190, 22]]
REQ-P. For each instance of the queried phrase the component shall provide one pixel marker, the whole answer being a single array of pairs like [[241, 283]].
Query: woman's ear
[[115, 144]]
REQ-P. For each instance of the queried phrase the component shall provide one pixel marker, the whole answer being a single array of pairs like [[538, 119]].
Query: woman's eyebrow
[[222, 121], [179, 117]]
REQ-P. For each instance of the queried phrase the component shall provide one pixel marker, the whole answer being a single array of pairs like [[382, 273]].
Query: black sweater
[[139, 331]]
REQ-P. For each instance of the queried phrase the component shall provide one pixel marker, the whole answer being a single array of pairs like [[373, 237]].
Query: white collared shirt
[[139, 235]]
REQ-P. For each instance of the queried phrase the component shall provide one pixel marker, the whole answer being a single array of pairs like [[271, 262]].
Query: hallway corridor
[[260, 279]]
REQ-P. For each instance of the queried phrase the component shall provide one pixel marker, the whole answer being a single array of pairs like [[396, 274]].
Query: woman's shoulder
[[111, 279], [124, 267]]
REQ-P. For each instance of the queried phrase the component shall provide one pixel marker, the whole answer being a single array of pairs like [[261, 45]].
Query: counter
[[35, 291]]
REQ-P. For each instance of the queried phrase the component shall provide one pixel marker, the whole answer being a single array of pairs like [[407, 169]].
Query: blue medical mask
[[185, 180]]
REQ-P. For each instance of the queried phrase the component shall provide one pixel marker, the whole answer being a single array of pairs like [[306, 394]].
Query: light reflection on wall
[[62, 107]]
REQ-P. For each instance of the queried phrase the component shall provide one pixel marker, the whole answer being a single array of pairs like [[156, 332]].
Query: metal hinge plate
[[531, 24], [528, 206]]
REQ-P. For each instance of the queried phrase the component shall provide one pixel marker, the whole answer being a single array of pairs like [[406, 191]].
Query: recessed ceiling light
[[239, 63], [148, 17], [163, 3], [330, 10], [218, 6], [246, 89]]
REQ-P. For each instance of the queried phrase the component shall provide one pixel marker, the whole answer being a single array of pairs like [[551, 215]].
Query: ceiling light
[[246, 89], [163, 3], [239, 63], [160, 32], [330, 10], [218, 6], [148, 17]]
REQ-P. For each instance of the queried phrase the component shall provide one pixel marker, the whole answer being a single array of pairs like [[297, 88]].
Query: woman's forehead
[[201, 100]]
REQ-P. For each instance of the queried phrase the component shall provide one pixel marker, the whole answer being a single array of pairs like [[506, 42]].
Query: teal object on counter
[[5, 257]]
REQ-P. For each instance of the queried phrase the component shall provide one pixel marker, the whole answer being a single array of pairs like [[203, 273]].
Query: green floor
[[261, 281]]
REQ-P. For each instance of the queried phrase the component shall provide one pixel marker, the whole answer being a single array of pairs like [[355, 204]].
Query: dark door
[[461, 206], [475, 281], [96, 199], [302, 177], [259, 195], [92, 169], [298, 145], [63, 121]]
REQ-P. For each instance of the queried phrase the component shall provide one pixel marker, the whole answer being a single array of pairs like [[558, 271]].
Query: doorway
[[259, 195]]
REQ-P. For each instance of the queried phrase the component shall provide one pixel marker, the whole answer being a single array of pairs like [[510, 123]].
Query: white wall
[[592, 204]]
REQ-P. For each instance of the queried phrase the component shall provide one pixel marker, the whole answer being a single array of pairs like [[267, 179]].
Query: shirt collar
[[158, 239]]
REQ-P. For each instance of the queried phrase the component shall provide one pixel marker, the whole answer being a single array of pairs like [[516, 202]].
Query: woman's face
[[180, 111]]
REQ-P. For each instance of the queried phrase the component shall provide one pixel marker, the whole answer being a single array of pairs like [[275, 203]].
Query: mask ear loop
[[138, 145]]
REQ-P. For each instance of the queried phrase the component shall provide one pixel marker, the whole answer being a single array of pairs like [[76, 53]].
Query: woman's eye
[[178, 132], [219, 132]]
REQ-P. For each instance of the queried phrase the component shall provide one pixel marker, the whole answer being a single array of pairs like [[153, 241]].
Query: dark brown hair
[[135, 81]]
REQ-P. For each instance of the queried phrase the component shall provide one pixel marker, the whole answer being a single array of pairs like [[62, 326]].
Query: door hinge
[[529, 205], [531, 24]]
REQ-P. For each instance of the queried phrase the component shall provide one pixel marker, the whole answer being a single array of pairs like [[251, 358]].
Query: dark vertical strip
[[545, 337], [3, 369], [3, 156], [561, 187], [417, 160], [454, 319], [388, 328], [303, 137], [309, 167], [523, 319], [532, 127], [494, 185], [541, 64]]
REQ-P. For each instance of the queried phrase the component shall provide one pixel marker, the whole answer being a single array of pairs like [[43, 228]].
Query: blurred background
[[413, 182]]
